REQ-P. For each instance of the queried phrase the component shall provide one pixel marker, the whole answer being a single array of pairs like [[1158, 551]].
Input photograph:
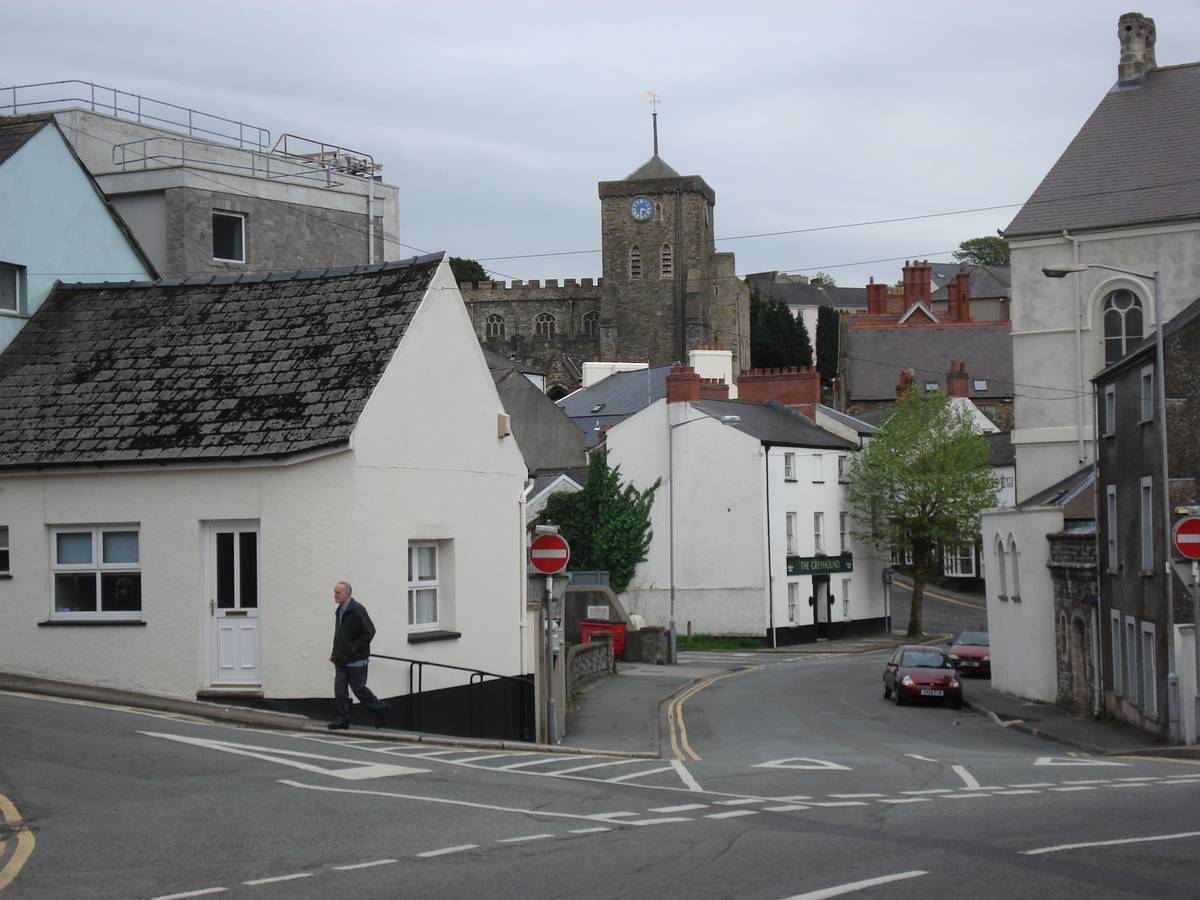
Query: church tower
[[665, 288]]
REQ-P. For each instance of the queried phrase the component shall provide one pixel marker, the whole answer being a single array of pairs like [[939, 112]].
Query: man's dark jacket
[[352, 635]]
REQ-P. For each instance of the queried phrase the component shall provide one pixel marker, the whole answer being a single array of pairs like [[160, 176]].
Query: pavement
[[625, 713]]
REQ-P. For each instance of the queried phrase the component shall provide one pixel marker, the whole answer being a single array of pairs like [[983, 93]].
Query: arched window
[[494, 326], [543, 325], [591, 324], [1015, 562], [1122, 324], [667, 267], [1001, 568], [635, 262]]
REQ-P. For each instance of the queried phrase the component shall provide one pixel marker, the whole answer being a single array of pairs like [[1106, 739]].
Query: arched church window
[[543, 325], [494, 326], [1122, 324], [657, 212], [591, 323], [667, 267], [635, 262]]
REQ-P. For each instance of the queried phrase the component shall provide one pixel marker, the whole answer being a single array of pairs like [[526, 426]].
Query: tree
[[777, 338], [983, 251], [829, 327], [824, 279], [920, 484], [607, 524], [467, 270]]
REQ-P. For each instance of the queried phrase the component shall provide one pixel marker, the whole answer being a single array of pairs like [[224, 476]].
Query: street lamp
[[1161, 397], [724, 420]]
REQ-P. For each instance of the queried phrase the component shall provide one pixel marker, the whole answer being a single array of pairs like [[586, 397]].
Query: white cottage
[[188, 466]]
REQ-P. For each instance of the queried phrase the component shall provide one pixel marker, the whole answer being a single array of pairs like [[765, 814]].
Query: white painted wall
[[1022, 631], [56, 225]]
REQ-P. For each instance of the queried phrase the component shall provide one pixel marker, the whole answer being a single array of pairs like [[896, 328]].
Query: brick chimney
[[907, 380], [917, 287], [1137, 34], [714, 389], [876, 299], [799, 388], [958, 297], [956, 381], [683, 385]]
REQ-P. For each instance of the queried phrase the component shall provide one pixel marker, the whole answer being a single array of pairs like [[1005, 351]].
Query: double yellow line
[[678, 730], [24, 842]]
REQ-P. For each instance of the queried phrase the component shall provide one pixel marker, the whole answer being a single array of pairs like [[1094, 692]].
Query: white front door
[[235, 641]]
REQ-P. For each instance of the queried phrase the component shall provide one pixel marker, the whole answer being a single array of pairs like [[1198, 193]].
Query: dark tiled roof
[[500, 364], [859, 424], [877, 356], [619, 396], [15, 132], [1134, 161], [985, 281], [654, 167], [773, 423], [204, 368], [1003, 451], [813, 295], [1074, 494]]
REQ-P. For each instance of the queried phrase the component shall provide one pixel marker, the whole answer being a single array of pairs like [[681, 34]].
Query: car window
[[925, 659], [973, 639]]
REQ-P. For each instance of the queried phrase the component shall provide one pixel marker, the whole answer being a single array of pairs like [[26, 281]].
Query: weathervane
[[654, 101]]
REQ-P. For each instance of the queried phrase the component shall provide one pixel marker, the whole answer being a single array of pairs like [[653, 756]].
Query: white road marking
[[521, 840], [478, 759], [921, 758], [428, 853], [789, 807], [201, 893], [964, 795], [608, 817], [908, 800], [599, 765], [668, 821], [634, 775], [1015, 793], [1138, 778], [259, 881], [354, 771], [1091, 781], [1064, 790], [528, 763], [929, 791], [855, 796], [856, 886], [839, 803], [588, 830], [732, 814], [1075, 761], [1134, 784], [686, 776], [967, 777], [1036, 784], [366, 865], [801, 762], [1114, 843], [742, 801], [687, 807]]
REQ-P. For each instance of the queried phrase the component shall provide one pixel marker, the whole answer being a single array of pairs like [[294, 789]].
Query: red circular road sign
[[549, 553], [1186, 536]]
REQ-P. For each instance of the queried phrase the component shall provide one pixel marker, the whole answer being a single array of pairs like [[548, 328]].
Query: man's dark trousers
[[353, 678]]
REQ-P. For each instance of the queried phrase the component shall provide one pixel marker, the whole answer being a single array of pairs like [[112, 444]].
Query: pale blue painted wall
[[55, 224]]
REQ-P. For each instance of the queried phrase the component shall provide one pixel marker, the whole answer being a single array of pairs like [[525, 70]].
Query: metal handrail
[[512, 715], [139, 109], [139, 154]]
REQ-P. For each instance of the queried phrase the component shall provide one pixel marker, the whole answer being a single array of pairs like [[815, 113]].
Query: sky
[[842, 137]]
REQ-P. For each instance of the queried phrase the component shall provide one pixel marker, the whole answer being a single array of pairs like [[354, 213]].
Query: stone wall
[[588, 662], [1075, 576]]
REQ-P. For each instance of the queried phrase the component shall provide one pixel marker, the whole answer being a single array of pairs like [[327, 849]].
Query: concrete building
[[188, 466], [55, 223], [208, 195]]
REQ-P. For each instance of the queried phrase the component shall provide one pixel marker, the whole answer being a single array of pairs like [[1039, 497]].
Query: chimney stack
[[1137, 34], [956, 381], [798, 388], [908, 380], [683, 385]]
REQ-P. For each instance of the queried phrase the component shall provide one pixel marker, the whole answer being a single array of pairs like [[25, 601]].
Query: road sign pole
[[551, 707]]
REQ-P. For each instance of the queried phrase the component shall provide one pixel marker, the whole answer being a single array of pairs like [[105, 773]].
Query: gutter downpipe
[[770, 555], [1080, 449], [1097, 660], [371, 217]]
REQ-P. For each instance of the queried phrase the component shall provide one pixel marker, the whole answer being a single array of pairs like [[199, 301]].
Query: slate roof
[[985, 281], [773, 423], [813, 295], [1133, 162], [1003, 451], [217, 368], [877, 356], [1074, 494], [654, 167], [15, 132], [618, 397]]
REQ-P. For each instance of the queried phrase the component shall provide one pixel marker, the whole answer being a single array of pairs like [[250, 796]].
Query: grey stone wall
[[1075, 576], [588, 662]]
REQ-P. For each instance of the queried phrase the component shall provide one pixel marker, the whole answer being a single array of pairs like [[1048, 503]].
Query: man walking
[[351, 651]]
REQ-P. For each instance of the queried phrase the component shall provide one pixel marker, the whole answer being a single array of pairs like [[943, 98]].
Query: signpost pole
[[551, 708], [549, 554]]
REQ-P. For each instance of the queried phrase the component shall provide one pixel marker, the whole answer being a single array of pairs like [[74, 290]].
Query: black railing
[[487, 706]]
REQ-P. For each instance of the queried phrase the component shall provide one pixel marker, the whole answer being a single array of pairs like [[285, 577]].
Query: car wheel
[[887, 692], [899, 699]]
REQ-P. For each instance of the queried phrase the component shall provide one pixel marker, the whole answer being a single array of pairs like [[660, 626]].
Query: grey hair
[[346, 585]]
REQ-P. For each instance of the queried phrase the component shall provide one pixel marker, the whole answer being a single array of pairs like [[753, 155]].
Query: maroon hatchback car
[[971, 652], [917, 673]]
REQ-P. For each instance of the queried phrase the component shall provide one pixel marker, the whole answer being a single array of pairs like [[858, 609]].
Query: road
[[786, 778]]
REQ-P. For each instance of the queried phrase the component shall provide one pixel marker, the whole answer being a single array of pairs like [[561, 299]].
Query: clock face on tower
[[641, 208]]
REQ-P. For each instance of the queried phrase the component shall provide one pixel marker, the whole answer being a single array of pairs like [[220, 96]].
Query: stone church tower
[[664, 291]]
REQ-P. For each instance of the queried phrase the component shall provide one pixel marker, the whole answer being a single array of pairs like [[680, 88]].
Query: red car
[[916, 672], [971, 653]]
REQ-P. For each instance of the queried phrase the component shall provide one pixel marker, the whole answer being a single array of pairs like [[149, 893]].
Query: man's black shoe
[[381, 717], [338, 726]]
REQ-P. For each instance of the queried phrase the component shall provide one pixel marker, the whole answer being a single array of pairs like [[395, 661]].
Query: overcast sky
[[844, 137]]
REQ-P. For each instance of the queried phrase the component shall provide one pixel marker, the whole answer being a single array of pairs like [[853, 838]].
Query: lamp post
[[724, 420], [1161, 399]]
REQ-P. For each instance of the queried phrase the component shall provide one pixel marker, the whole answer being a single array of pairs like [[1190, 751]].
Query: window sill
[[425, 637], [5, 576], [91, 623]]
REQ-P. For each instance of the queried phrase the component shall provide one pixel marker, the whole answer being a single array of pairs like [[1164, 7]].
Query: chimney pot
[[1136, 34]]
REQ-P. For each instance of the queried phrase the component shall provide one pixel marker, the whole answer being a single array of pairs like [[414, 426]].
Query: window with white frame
[[11, 280], [902, 556], [793, 602], [1014, 562], [1148, 394], [790, 532], [1147, 511], [424, 585], [844, 531], [842, 468], [818, 533], [1110, 524], [1131, 669], [1110, 410], [229, 237], [3, 550], [97, 572], [846, 599], [959, 562], [1118, 673], [1002, 569], [1149, 679], [818, 468], [789, 467], [1122, 324]]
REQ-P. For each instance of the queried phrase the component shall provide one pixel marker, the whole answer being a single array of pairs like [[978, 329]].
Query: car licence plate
[[933, 693], [970, 663]]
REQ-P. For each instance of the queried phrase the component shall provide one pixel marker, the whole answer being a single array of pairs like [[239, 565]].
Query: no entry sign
[[549, 553], [1186, 535]]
